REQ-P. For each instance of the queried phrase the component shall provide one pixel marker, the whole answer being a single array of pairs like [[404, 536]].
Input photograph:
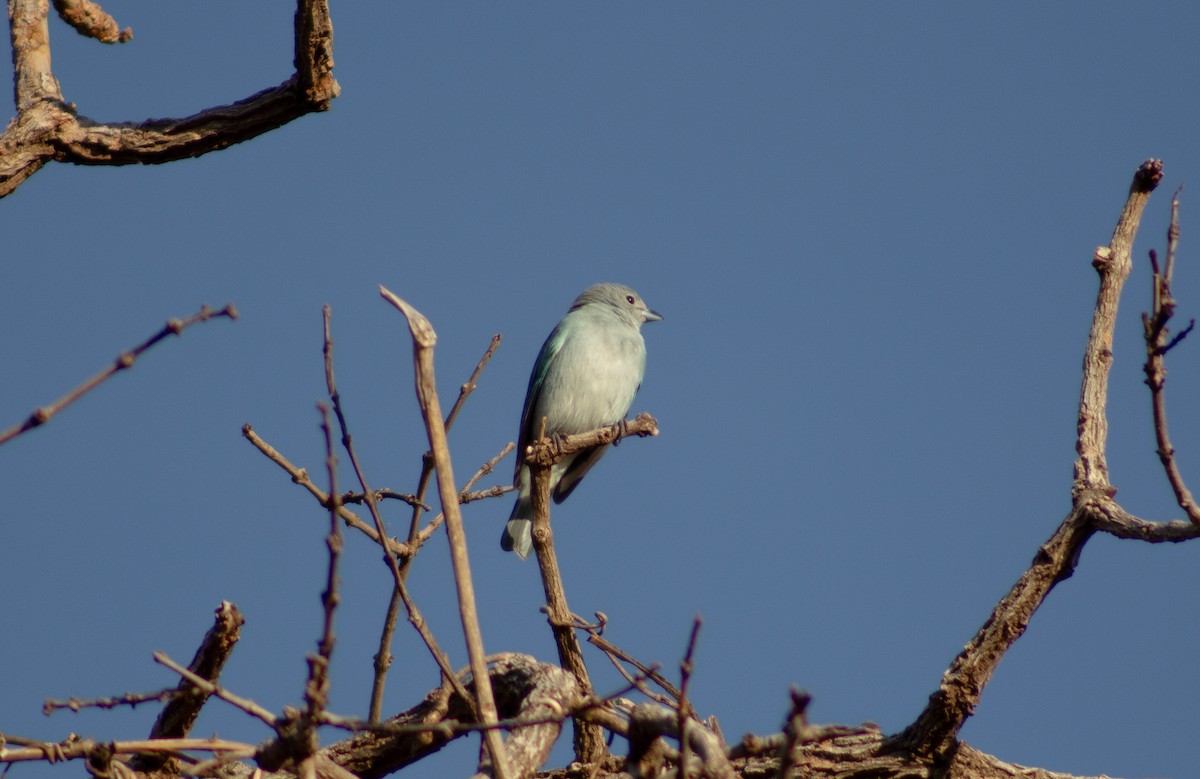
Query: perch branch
[[588, 738], [541, 456]]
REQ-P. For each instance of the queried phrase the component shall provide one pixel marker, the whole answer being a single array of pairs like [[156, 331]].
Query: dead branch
[[48, 128], [934, 733], [414, 614], [1158, 343], [649, 721], [300, 476], [124, 361], [417, 537], [91, 21], [423, 340], [180, 713]]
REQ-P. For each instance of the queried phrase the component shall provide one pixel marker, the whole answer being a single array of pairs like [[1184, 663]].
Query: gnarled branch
[[48, 128]]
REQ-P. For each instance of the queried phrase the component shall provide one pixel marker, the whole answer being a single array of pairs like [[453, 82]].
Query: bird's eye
[[629, 299]]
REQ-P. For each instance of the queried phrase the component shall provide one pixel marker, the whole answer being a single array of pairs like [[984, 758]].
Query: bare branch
[[589, 740], [414, 615], [934, 733], [681, 712], [423, 339], [180, 714], [1113, 263], [1157, 345], [795, 731], [76, 748], [130, 699], [210, 688], [125, 360], [47, 128], [316, 692], [417, 537], [91, 21], [300, 476]]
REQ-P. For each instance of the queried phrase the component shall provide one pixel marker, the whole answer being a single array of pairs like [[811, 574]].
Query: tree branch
[[124, 361], [383, 657], [934, 733], [423, 340], [180, 714], [47, 128], [541, 456], [1113, 263], [1157, 346]]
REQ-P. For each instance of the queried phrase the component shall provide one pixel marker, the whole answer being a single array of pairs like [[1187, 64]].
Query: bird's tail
[[518, 533]]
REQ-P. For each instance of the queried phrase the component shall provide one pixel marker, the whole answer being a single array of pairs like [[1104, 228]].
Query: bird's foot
[[620, 430]]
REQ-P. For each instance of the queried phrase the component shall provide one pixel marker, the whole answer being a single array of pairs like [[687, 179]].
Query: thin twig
[[82, 748], [124, 361], [617, 656], [209, 688], [1157, 345], [471, 384], [130, 699], [685, 677], [794, 731], [316, 691], [417, 537], [300, 476], [465, 497], [347, 441], [383, 494]]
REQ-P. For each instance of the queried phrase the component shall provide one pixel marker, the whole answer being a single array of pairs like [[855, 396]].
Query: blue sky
[[869, 229]]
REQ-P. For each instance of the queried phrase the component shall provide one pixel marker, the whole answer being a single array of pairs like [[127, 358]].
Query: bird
[[584, 378]]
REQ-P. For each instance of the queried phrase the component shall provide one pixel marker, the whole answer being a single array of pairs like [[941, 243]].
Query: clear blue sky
[[869, 228]]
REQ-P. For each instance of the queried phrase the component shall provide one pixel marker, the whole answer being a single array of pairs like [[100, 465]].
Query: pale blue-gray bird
[[585, 378]]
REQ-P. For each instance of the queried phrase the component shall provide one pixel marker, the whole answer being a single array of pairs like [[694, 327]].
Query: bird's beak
[[650, 315]]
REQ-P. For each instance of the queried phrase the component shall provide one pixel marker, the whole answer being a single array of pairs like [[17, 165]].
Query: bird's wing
[[529, 426], [575, 472]]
